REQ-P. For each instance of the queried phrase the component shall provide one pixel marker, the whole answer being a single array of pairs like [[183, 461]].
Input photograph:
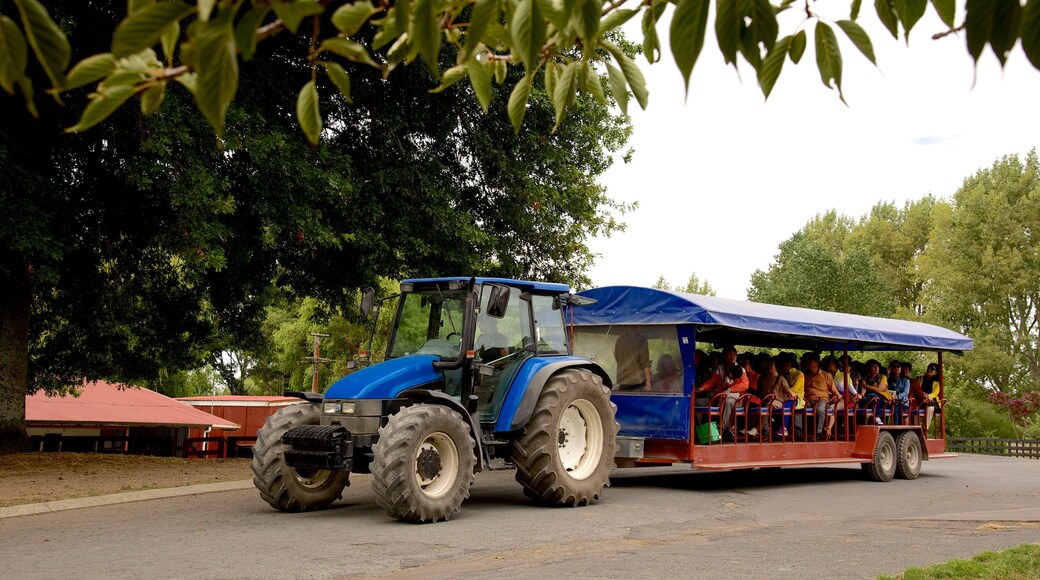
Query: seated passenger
[[746, 361], [830, 364], [490, 344], [632, 354], [820, 391], [786, 363], [928, 395], [874, 386], [771, 383], [897, 383], [736, 384], [669, 375]]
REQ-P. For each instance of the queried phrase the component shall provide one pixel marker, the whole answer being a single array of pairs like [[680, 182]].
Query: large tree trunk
[[15, 298]]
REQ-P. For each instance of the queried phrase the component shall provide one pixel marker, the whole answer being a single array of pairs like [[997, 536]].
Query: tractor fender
[[517, 419], [415, 396]]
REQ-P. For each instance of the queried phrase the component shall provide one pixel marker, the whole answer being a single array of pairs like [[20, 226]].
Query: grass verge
[[1016, 563]]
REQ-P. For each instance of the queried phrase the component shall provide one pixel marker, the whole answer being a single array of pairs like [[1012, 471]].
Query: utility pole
[[316, 361]]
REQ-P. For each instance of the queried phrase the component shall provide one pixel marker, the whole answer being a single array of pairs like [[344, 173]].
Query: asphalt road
[[664, 523]]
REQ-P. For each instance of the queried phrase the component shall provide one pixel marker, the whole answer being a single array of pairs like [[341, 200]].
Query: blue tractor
[[477, 370]]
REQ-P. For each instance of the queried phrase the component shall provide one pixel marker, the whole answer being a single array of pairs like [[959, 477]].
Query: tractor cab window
[[430, 322], [548, 322], [634, 354], [499, 348]]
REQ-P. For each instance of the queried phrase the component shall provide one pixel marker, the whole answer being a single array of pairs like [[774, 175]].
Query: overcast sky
[[724, 178]]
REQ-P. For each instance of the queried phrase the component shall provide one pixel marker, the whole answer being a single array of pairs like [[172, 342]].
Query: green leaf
[[528, 31], [518, 102], [727, 29], [565, 89], [886, 12], [854, 12], [828, 57], [292, 13], [450, 77], [27, 91], [135, 5], [339, 77], [211, 53], [152, 98], [764, 27], [557, 17], [633, 75], [348, 49], [190, 81], [772, 65], [142, 29], [90, 69], [588, 25], [651, 46], [480, 80], [483, 13], [552, 72], [425, 33], [350, 17], [859, 37], [797, 46], [594, 86], [169, 37], [1031, 32], [308, 114], [245, 30], [101, 106], [909, 12], [47, 40], [1006, 21], [946, 11], [616, 18], [689, 23], [978, 25], [205, 8], [618, 88], [14, 54], [500, 71]]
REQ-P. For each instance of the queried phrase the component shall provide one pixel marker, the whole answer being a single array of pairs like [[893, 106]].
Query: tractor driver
[[490, 344]]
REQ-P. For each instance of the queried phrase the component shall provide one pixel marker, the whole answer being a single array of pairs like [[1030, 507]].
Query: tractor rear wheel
[[423, 464], [565, 453], [883, 466], [287, 488]]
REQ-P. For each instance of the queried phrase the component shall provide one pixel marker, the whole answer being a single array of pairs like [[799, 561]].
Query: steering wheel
[[458, 338]]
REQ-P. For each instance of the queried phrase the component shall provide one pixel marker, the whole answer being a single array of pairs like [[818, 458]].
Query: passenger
[[929, 393], [736, 384], [490, 344], [820, 391], [795, 380], [632, 354], [746, 362], [700, 366], [875, 386], [669, 375], [830, 364], [717, 383], [771, 383], [897, 383]]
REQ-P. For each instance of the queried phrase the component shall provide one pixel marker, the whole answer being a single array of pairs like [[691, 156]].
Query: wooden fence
[[1028, 448]]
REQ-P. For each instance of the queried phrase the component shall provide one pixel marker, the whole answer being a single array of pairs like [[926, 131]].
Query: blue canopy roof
[[724, 321]]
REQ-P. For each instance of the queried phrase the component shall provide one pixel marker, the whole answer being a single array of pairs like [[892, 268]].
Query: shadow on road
[[730, 480]]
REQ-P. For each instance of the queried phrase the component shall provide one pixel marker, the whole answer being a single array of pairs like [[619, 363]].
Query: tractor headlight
[[339, 407]]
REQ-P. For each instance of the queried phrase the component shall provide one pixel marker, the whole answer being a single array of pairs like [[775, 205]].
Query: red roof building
[[115, 418]]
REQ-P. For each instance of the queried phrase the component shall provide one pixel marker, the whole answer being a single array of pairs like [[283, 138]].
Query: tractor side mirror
[[366, 302], [498, 301]]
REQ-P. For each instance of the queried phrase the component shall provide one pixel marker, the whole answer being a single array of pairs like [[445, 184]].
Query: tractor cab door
[[498, 346]]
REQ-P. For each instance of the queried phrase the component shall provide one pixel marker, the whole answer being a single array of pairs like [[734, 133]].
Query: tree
[[809, 274], [140, 249], [693, 286], [982, 273], [565, 43]]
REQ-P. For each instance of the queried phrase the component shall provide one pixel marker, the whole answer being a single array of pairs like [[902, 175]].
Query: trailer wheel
[[284, 487], [423, 464], [909, 458], [883, 466], [565, 452]]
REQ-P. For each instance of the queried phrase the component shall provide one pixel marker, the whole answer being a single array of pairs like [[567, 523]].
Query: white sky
[[723, 179]]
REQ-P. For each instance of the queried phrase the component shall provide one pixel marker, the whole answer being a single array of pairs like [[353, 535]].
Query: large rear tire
[[910, 457], [565, 452], [883, 466], [284, 487], [423, 464]]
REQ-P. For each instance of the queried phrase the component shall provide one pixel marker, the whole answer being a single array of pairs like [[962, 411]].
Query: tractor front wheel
[[287, 488], [566, 451], [423, 464]]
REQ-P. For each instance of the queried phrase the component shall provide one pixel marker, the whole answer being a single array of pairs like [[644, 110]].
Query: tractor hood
[[387, 379]]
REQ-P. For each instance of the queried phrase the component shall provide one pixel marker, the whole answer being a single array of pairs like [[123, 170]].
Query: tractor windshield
[[430, 321]]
